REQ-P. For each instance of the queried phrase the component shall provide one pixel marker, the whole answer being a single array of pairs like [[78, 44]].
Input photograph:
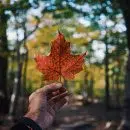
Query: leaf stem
[[60, 78]]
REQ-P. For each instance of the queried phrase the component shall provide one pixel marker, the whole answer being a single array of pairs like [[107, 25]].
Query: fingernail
[[59, 85]]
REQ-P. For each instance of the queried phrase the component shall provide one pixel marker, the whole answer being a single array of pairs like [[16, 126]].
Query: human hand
[[44, 103]]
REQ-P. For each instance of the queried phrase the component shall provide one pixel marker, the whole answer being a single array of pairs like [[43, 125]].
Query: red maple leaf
[[60, 61]]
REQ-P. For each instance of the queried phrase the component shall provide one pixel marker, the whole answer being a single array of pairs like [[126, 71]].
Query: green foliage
[[65, 16]]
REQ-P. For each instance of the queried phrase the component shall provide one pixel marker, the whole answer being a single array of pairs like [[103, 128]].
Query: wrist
[[33, 116], [29, 123]]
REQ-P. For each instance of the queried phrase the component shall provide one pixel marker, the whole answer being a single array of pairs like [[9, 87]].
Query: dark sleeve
[[26, 124]]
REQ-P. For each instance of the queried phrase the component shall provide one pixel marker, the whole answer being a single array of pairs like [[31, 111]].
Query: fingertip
[[59, 85]]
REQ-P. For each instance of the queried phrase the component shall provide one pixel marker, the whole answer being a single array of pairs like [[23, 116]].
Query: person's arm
[[43, 104], [26, 124]]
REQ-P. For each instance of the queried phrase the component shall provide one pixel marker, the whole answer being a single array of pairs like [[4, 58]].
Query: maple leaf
[[60, 61]]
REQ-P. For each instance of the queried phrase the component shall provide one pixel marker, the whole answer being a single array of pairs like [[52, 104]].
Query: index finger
[[50, 88]]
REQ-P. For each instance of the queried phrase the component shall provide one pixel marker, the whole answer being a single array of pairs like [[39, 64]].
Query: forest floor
[[76, 116]]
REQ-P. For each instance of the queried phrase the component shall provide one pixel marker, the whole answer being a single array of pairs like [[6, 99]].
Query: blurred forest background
[[102, 27]]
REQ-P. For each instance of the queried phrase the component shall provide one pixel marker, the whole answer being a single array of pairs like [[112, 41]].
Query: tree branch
[[76, 9], [30, 33]]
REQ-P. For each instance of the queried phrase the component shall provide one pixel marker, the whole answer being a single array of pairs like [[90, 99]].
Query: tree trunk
[[117, 91], [125, 4], [25, 69], [107, 93], [16, 90], [3, 63]]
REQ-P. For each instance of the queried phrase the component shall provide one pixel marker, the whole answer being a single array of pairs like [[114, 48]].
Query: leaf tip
[[86, 53], [59, 31]]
